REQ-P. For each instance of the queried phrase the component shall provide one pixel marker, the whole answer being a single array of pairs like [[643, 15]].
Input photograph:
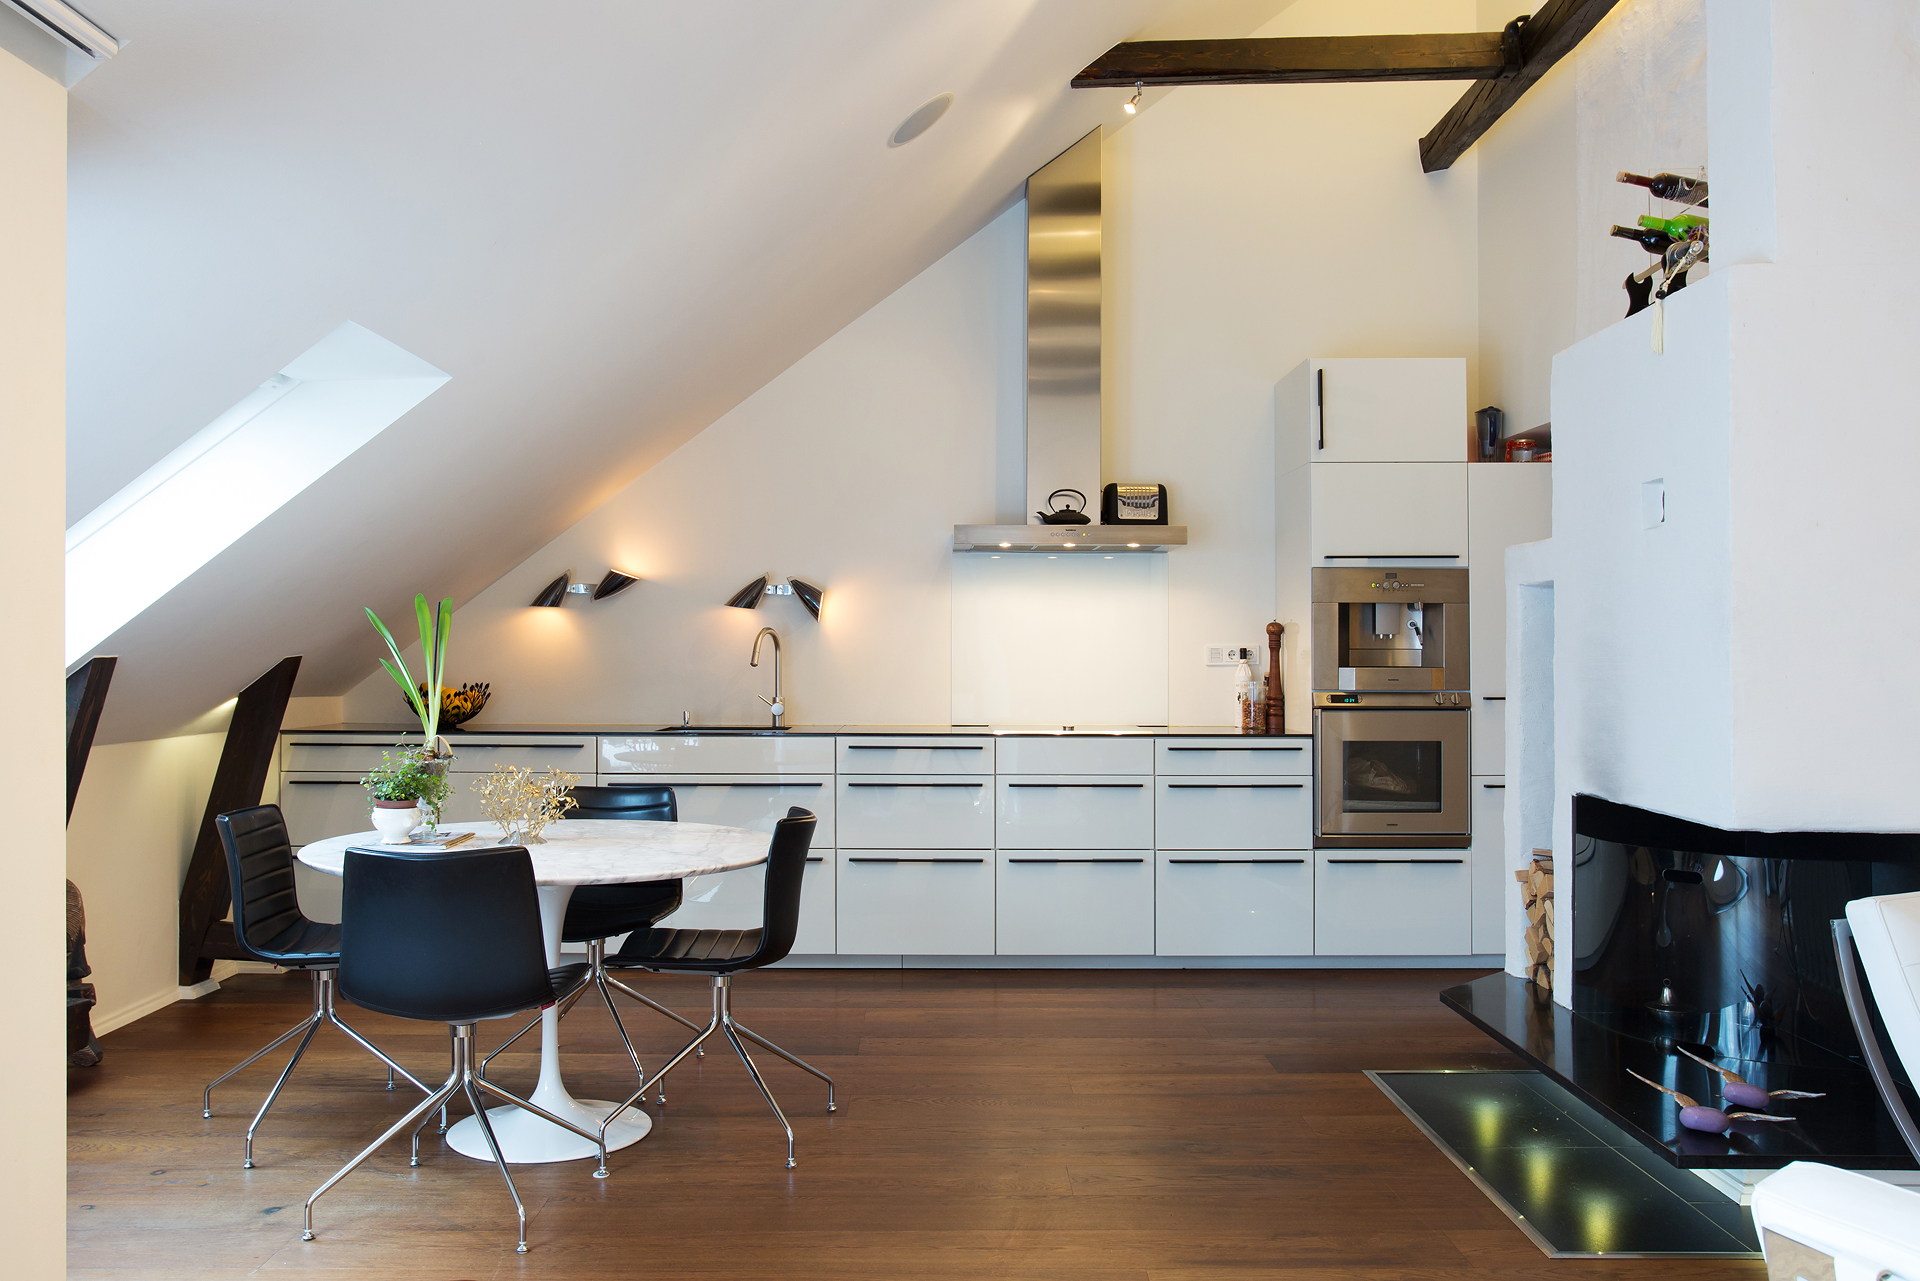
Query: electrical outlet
[[1227, 655]]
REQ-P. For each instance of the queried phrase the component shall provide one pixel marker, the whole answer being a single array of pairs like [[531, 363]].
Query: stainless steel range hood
[[1063, 368]]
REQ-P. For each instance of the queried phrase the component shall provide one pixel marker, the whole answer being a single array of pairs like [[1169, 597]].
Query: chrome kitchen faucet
[[774, 702]]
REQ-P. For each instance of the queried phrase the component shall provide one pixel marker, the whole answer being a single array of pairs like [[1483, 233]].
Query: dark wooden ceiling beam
[[1545, 38], [1472, 55]]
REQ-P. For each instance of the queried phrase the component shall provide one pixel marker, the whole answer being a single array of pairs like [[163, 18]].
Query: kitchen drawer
[[892, 755], [1489, 733], [316, 806], [915, 902], [1070, 754], [1074, 903], [1070, 812], [1233, 813], [716, 754], [736, 900], [473, 754], [1489, 863], [1390, 510], [1253, 754], [915, 811], [305, 753], [1392, 903], [1234, 903], [749, 800]]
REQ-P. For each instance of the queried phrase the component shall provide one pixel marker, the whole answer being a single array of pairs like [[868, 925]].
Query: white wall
[[33, 171], [1246, 229]]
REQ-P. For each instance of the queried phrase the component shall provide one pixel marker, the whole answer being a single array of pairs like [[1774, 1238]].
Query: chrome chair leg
[[526, 1105], [206, 1096], [424, 1108], [658, 1008], [621, 1028], [274, 1093], [765, 1093], [713, 1025], [798, 1062], [493, 1145], [333, 1016]]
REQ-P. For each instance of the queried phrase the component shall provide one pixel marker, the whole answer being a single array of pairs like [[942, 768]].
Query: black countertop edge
[[809, 731], [1460, 999]]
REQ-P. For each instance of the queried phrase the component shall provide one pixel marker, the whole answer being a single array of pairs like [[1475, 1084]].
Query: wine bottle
[[1675, 228], [1654, 242], [1669, 186]]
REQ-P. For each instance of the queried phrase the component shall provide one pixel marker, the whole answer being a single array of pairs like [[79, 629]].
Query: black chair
[[269, 926], [596, 913], [451, 937], [721, 954]]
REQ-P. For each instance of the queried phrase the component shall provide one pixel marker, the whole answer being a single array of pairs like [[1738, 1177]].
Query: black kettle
[[1057, 515]]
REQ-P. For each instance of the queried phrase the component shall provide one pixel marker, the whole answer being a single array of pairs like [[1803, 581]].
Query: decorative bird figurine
[[1706, 1119], [1735, 1088]]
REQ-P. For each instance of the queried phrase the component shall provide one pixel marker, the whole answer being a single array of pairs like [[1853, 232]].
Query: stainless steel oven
[[1391, 770]]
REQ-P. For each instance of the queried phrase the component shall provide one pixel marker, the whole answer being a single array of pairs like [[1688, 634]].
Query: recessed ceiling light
[[924, 118]]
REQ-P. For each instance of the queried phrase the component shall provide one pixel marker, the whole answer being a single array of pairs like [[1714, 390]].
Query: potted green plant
[[404, 790], [424, 697]]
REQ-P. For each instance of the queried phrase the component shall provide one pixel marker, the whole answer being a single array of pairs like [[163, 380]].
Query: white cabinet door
[[1489, 728], [897, 754], [1253, 755], [817, 907], [716, 754], [1392, 903], [1392, 511], [1490, 879], [1388, 411], [1233, 813], [1507, 504], [915, 811], [1071, 812], [915, 902], [1074, 903], [1074, 754], [316, 806], [1234, 903], [736, 900]]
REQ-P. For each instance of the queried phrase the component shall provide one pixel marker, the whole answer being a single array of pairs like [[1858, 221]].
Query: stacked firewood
[[1536, 896]]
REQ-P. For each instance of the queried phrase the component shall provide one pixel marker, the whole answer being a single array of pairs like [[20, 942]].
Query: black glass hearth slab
[[1849, 1127], [1577, 1185]]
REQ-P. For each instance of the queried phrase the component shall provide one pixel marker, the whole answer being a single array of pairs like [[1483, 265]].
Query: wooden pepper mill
[[1276, 700]]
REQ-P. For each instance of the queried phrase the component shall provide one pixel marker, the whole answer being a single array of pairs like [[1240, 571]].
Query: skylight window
[[232, 474]]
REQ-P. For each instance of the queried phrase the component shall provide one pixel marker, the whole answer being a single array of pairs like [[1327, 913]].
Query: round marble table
[[575, 852]]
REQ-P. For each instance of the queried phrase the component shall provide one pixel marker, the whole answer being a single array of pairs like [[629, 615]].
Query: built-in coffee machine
[[1392, 730]]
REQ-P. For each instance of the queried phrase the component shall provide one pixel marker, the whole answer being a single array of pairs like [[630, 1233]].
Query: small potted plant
[[405, 790]]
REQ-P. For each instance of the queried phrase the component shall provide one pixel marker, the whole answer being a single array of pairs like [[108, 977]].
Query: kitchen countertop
[[802, 731]]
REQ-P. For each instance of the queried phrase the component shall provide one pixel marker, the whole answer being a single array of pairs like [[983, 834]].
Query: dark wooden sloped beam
[[1545, 38], [237, 783], [86, 695], [1303, 60]]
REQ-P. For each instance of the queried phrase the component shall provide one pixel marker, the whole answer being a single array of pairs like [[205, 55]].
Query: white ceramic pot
[[395, 825]]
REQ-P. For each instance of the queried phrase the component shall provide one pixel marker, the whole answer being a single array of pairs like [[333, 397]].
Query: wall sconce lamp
[[555, 592], [750, 596]]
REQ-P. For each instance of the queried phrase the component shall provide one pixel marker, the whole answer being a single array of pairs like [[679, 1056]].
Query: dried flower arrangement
[[523, 802]]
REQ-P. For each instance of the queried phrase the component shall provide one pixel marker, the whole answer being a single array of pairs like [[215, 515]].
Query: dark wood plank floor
[[1069, 1125]]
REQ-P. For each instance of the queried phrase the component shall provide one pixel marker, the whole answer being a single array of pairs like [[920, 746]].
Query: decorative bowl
[[458, 706]]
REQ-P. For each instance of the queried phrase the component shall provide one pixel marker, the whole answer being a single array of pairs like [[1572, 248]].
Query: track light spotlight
[[748, 597], [1133, 103], [809, 595], [553, 593], [616, 581]]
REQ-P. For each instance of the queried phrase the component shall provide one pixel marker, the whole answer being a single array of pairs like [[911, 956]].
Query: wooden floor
[[1118, 1125]]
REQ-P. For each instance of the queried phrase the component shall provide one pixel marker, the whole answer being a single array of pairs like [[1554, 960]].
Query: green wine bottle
[[1654, 242], [1673, 228]]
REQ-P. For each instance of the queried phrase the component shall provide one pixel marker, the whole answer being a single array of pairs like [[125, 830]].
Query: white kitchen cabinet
[[1489, 729], [915, 811], [1234, 903], [1073, 812], [1489, 863], [1233, 812], [916, 902], [1373, 410], [895, 754], [1507, 504], [1074, 903], [1391, 511], [1392, 903], [1074, 754], [716, 754], [1253, 755], [472, 753]]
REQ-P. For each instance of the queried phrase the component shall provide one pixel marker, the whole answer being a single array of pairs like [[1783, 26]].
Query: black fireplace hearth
[[1690, 938]]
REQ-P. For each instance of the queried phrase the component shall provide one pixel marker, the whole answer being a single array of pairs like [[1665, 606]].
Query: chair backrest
[[786, 867], [260, 871], [655, 802], [452, 936], [1886, 930]]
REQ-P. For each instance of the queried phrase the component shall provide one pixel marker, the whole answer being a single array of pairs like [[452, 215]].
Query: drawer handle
[[982, 784], [1236, 749], [915, 747], [816, 858], [1135, 785], [773, 785], [1397, 556], [1236, 860], [1495, 787], [1396, 860], [851, 859], [1259, 787], [1493, 698], [320, 782], [1076, 860]]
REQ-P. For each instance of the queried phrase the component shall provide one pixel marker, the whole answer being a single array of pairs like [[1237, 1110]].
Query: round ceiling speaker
[[921, 120]]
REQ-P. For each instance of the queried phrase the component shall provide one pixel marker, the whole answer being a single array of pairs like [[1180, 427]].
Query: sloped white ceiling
[[609, 222]]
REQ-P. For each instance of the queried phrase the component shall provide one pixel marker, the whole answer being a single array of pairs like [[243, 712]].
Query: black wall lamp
[[555, 592], [750, 596]]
